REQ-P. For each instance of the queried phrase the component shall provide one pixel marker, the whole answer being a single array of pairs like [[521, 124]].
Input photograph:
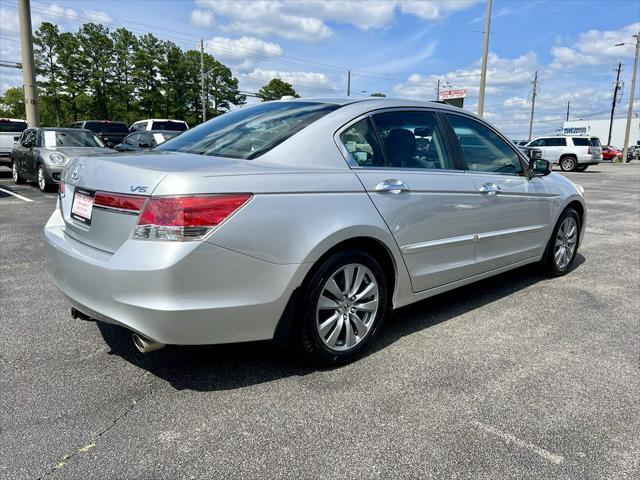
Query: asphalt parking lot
[[518, 376]]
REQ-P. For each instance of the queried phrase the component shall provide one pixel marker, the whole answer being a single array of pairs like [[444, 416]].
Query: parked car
[[42, 153], [611, 153], [159, 124], [143, 140], [111, 133], [572, 153], [10, 131], [305, 222]]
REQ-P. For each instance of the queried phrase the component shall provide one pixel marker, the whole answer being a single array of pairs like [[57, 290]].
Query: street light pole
[[28, 69], [485, 54], [625, 151]]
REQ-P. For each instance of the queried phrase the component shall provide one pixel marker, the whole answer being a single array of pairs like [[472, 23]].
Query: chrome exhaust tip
[[144, 345]]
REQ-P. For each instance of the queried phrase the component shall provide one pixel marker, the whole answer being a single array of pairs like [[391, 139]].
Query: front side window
[[412, 139], [132, 139], [249, 132], [483, 149], [361, 143], [541, 142], [28, 138]]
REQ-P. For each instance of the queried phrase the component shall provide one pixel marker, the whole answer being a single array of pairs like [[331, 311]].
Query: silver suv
[[573, 153]]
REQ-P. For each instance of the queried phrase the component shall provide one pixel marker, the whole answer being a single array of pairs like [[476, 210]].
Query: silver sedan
[[304, 221]]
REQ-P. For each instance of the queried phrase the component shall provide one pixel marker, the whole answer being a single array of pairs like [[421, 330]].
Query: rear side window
[[12, 126], [581, 142], [361, 143], [595, 141], [482, 148], [412, 140], [169, 125], [249, 132]]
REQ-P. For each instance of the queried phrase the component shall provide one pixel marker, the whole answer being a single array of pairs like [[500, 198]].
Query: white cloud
[[306, 19], [202, 18], [596, 47], [243, 53]]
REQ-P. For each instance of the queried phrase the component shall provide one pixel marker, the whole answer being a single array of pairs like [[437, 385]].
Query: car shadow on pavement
[[227, 367]]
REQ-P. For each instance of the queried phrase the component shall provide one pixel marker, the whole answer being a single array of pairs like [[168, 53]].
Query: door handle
[[392, 185], [489, 189]]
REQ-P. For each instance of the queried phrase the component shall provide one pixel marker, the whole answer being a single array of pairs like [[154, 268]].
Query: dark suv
[[111, 133]]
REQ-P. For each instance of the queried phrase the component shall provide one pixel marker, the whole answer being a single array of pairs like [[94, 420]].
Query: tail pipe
[[145, 345]]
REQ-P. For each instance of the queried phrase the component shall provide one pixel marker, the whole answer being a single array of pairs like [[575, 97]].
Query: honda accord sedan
[[305, 222]]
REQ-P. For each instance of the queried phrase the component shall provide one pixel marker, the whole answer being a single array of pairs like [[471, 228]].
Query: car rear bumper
[[185, 293]]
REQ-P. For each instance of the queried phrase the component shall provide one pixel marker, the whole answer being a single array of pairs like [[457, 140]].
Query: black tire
[[307, 339], [568, 163], [549, 262], [44, 184], [17, 178], [581, 168]]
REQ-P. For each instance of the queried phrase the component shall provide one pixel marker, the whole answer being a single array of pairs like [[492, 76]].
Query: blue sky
[[400, 48]]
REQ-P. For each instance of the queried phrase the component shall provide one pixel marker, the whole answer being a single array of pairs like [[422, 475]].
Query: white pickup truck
[[10, 128], [572, 153]]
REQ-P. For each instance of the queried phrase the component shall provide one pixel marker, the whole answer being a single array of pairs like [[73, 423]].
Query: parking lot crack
[[95, 437]]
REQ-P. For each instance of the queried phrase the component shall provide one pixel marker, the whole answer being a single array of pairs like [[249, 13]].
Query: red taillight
[[61, 189], [590, 151], [185, 218], [118, 201]]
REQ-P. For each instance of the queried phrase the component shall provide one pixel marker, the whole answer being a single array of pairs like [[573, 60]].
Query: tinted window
[[106, 127], [412, 140], [12, 126], [169, 125], [581, 142], [538, 143], [29, 136], [70, 138], [595, 141], [249, 132], [556, 142], [361, 143], [132, 139], [482, 148]]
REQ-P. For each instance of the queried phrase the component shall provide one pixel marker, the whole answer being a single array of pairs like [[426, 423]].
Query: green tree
[[97, 49], [176, 80], [377, 94], [47, 43], [276, 89], [222, 87], [147, 58], [12, 103], [72, 74], [124, 46]]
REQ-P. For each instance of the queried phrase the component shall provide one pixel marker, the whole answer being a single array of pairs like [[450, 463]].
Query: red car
[[610, 153]]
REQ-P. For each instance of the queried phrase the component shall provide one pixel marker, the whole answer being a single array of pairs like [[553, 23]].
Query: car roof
[[160, 120], [379, 102]]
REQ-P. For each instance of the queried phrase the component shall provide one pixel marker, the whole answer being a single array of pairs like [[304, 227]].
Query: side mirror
[[541, 167], [16, 138]]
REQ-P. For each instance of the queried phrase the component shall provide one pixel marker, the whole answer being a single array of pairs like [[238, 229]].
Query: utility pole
[[485, 54], [349, 83], [28, 69], [438, 91], [568, 107], [616, 89], [204, 90], [533, 102], [625, 152]]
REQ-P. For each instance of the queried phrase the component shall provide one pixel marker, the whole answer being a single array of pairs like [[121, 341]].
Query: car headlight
[[57, 158], [580, 189]]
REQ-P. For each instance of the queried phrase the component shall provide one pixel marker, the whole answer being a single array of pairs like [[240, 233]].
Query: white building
[[600, 129]]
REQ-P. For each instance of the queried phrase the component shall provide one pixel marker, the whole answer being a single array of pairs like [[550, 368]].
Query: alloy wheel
[[42, 182], [568, 164], [347, 307], [566, 241]]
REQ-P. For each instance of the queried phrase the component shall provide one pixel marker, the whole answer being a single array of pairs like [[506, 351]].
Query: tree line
[[96, 73]]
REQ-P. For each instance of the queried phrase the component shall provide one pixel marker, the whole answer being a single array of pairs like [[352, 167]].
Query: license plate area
[[82, 205]]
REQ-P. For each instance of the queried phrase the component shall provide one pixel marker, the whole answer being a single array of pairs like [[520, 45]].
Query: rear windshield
[[70, 138], [581, 142], [106, 127], [169, 125], [249, 132], [11, 126], [595, 141]]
